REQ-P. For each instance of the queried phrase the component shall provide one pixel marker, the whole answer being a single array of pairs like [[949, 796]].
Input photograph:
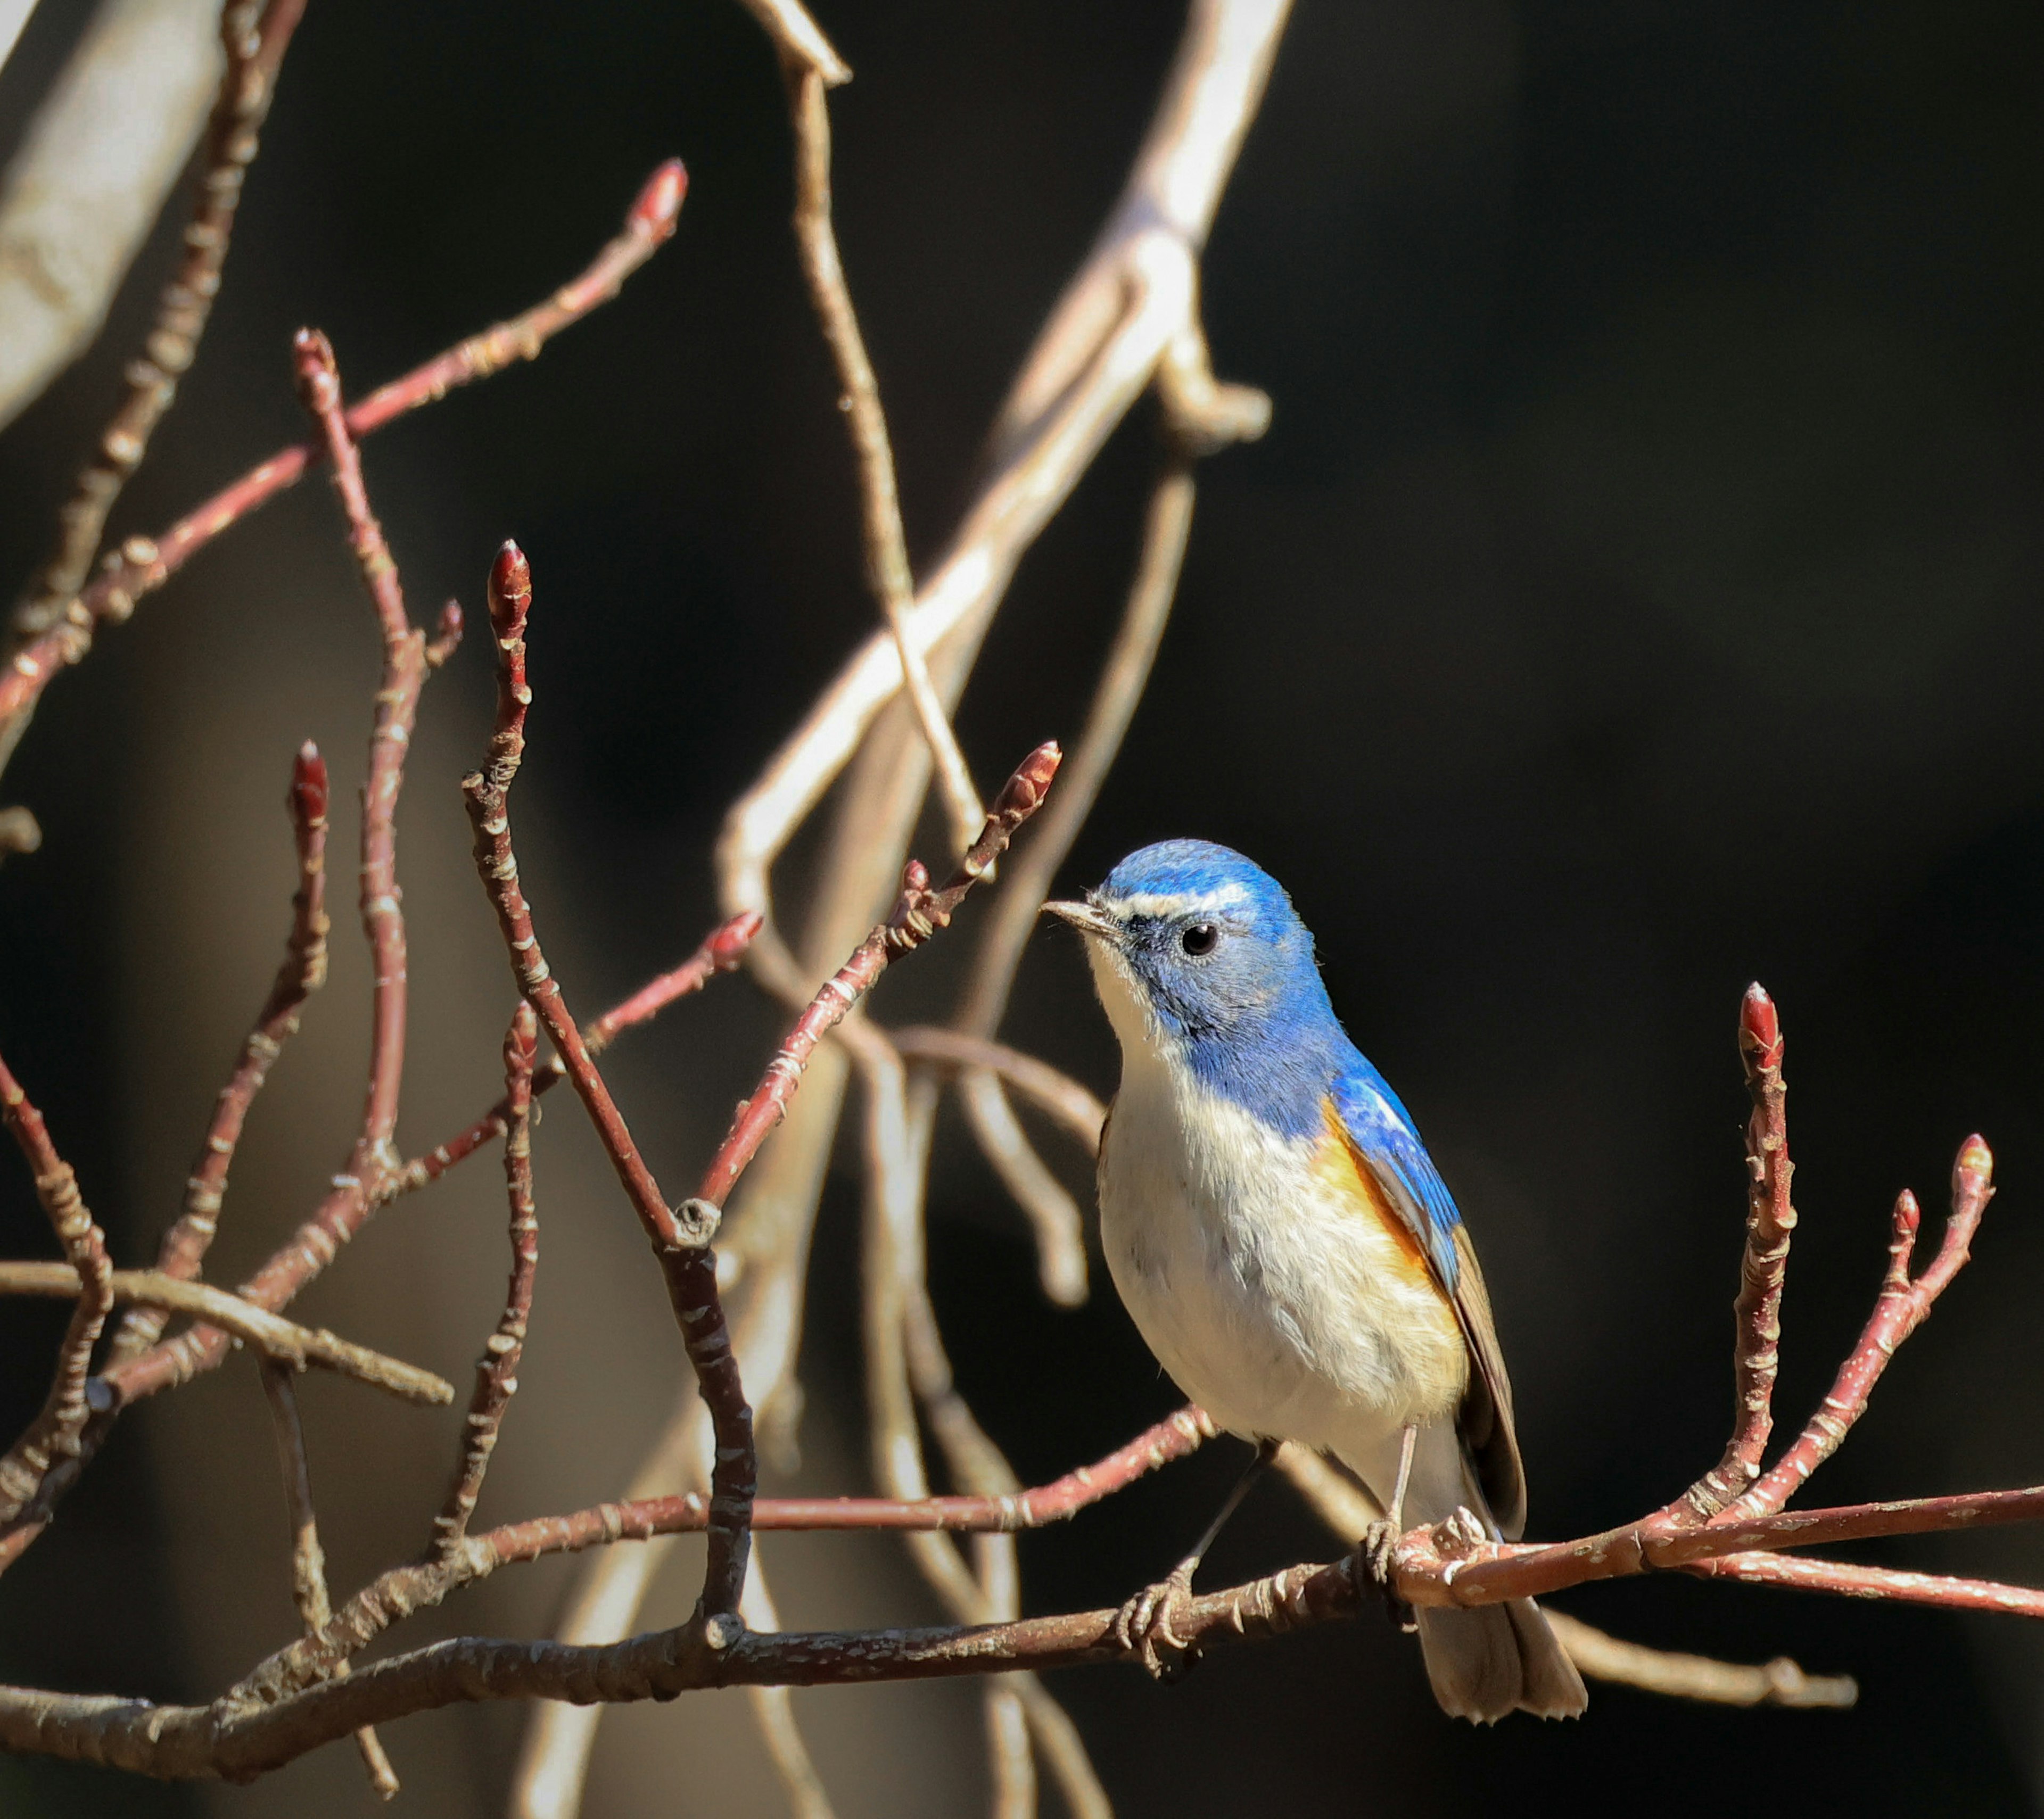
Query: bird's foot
[[1147, 1625], [1377, 1559]]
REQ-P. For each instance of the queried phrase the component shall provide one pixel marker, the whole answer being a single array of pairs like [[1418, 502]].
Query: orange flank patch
[[1340, 1164]]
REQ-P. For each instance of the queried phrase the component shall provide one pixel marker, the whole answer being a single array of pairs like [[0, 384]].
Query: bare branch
[[680, 1237], [78, 199], [496, 1371], [397, 711], [886, 546], [1904, 1305], [146, 562], [1075, 1108], [254, 37], [308, 1558], [722, 950], [1675, 1675], [799, 39], [54, 1434], [304, 971], [773, 1710], [1770, 1222], [1060, 1244], [1341, 1501], [234, 1317]]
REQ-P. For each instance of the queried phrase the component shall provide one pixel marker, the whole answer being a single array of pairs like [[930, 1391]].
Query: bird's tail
[[1489, 1661], [1499, 1659]]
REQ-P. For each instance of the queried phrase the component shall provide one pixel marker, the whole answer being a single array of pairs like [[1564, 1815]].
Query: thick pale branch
[[1075, 1108], [886, 545], [255, 38]]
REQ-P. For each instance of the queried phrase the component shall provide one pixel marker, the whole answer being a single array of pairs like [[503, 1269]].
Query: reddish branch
[[723, 950], [55, 1433], [497, 1370], [309, 1590], [146, 563], [681, 1236], [313, 1246], [297, 1701], [303, 972], [1770, 1222], [255, 38], [1902, 1306], [918, 913], [397, 710], [405, 1589]]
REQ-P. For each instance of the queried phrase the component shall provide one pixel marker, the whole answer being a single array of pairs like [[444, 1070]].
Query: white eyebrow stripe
[[1176, 903]]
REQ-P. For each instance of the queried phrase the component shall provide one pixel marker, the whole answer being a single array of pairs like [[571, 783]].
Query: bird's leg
[[1145, 1624], [1379, 1540]]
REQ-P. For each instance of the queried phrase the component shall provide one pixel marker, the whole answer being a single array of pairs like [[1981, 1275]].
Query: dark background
[[1637, 593]]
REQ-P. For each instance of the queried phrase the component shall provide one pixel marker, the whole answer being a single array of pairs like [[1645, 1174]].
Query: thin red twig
[[918, 913], [722, 950], [146, 563], [1841, 1579], [54, 1433], [302, 974], [1771, 1222], [1902, 1306], [405, 1589], [397, 710], [497, 1370], [680, 1237], [680, 1240]]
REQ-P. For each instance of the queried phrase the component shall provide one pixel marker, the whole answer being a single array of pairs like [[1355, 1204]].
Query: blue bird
[[1287, 1248]]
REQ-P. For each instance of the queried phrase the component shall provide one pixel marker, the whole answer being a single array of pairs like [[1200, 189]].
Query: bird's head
[[1194, 947]]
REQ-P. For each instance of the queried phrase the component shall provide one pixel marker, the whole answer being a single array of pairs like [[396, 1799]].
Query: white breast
[[1269, 1295]]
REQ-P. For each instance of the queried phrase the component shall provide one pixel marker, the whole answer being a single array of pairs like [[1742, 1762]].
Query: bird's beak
[[1088, 920]]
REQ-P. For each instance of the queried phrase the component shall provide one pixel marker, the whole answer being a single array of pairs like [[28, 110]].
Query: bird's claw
[[1147, 1625], [1377, 1556]]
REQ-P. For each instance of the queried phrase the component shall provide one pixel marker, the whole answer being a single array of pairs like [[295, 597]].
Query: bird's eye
[[1199, 938]]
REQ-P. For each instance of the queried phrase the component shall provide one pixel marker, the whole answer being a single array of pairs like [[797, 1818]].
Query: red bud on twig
[[727, 945], [319, 377], [654, 213], [510, 593], [308, 788], [1759, 1030], [1973, 1174]]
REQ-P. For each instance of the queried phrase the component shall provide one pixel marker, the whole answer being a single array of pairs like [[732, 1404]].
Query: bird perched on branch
[[1286, 1246]]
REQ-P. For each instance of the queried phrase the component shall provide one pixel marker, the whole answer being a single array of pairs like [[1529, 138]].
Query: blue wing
[[1380, 1129], [1380, 1132]]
